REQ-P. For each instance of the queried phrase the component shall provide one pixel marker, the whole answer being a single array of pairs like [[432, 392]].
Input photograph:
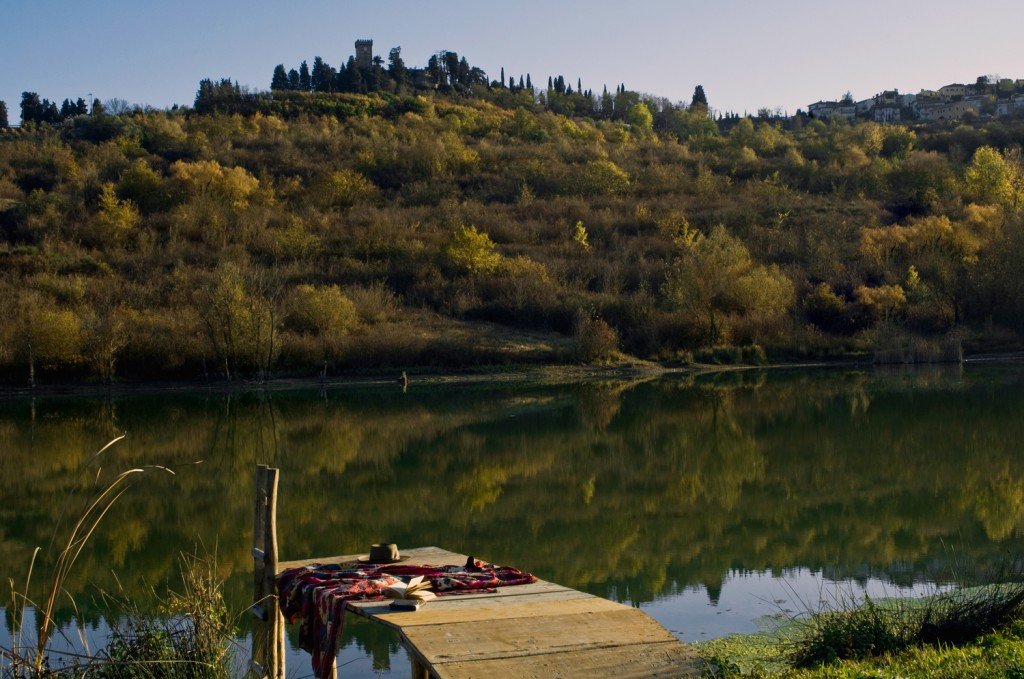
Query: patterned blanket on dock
[[315, 595]]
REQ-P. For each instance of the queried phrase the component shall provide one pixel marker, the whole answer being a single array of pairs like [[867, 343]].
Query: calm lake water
[[709, 503]]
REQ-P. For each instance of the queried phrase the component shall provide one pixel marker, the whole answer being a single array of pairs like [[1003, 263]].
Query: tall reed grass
[[189, 639]]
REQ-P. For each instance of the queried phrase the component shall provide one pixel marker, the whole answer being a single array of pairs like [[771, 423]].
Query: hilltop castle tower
[[364, 53]]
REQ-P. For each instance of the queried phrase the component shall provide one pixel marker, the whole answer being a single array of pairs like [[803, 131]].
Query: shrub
[[348, 187], [190, 641], [720, 355], [374, 303], [595, 341]]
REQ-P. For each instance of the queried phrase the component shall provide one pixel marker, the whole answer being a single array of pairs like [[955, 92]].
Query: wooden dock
[[539, 630]]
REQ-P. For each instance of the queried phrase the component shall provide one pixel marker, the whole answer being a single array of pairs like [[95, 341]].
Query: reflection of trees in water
[[637, 489]]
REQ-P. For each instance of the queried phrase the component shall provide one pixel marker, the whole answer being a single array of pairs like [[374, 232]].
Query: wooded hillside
[[360, 231]]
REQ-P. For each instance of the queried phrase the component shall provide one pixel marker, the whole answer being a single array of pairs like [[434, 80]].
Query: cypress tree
[[51, 114], [341, 79], [521, 83], [4, 124], [81, 108], [502, 77], [320, 79], [529, 84], [550, 85], [355, 76], [293, 79], [396, 67], [450, 63], [434, 72], [579, 84], [279, 81], [31, 108], [304, 81], [700, 99]]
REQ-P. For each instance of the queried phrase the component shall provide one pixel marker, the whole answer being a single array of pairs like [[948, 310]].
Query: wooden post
[[268, 631], [419, 670]]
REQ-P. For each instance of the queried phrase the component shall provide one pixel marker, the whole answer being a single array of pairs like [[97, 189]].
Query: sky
[[747, 54]]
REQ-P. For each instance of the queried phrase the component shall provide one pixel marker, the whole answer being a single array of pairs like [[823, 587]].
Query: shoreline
[[536, 375], [539, 375]]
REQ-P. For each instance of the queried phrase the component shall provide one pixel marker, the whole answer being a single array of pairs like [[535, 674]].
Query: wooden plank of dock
[[539, 630]]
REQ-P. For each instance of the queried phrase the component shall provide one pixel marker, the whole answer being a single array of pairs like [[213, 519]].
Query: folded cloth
[[316, 595]]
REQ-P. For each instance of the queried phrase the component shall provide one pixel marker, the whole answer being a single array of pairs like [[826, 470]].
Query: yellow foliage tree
[[884, 301], [714, 277], [116, 218], [207, 178], [49, 337], [471, 251], [325, 312]]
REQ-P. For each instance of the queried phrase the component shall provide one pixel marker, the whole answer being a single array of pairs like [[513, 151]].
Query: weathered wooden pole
[[268, 631]]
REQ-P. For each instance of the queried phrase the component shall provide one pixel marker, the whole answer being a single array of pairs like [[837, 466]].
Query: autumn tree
[[116, 218], [49, 336], [640, 117], [239, 309], [322, 312], [942, 252], [990, 178], [471, 251], [714, 278]]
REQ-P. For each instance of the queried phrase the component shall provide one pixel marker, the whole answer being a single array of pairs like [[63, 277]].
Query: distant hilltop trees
[[448, 73], [308, 89], [445, 71], [301, 89], [37, 110]]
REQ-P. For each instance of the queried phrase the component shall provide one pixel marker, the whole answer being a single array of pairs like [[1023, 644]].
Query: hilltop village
[[988, 97]]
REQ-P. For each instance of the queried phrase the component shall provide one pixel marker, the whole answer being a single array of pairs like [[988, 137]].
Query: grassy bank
[[972, 632]]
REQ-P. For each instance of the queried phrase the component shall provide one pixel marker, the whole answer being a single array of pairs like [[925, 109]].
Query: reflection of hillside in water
[[635, 491]]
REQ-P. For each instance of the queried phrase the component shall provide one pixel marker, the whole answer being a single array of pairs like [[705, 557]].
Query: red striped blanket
[[315, 595]]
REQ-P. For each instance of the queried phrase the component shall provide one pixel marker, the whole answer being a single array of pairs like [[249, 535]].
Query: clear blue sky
[[746, 53]]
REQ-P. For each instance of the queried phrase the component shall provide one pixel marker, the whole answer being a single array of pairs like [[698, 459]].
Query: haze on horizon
[[747, 54]]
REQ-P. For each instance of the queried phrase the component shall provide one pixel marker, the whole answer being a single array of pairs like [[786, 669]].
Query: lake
[[708, 502]]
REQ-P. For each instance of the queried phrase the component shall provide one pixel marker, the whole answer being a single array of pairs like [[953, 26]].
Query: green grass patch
[[969, 632]]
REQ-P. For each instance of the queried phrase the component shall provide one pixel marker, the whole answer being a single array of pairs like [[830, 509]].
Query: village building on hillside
[[952, 110], [826, 110], [1010, 107], [998, 97], [948, 92], [887, 114]]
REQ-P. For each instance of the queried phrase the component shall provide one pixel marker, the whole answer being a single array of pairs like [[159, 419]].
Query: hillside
[[286, 233]]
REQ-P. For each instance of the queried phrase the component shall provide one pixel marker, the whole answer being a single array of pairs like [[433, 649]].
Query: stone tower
[[364, 53]]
